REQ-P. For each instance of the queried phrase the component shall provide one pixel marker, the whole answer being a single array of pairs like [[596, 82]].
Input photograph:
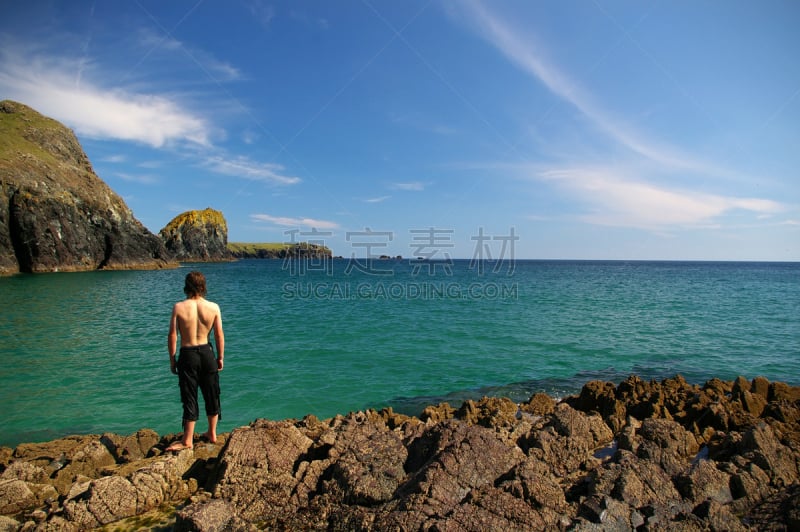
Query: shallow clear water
[[86, 352]]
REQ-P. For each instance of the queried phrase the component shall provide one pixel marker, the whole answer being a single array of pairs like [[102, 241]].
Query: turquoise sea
[[86, 352]]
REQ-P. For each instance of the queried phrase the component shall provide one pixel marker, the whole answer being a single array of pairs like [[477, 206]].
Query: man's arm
[[172, 340], [219, 340]]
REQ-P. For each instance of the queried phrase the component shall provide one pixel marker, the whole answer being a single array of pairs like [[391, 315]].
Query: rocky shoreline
[[638, 455]]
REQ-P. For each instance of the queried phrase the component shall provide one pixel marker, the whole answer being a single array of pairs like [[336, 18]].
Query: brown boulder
[[257, 469], [370, 466], [666, 443]]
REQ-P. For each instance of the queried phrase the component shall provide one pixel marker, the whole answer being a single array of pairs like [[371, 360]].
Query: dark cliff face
[[197, 236], [56, 214]]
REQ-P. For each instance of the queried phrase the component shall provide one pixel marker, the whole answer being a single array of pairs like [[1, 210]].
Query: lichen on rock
[[199, 235]]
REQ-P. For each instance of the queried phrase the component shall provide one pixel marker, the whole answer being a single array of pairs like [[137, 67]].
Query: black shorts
[[197, 366]]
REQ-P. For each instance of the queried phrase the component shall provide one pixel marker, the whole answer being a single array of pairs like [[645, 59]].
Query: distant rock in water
[[198, 236], [56, 214]]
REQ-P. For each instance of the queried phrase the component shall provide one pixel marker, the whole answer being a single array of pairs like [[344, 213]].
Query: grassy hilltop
[[277, 249]]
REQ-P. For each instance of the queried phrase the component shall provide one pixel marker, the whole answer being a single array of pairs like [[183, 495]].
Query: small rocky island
[[639, 455], [56, 214], [198, 236], [202, 236]]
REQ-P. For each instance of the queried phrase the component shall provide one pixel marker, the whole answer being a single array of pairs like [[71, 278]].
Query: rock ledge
[[638, 455]]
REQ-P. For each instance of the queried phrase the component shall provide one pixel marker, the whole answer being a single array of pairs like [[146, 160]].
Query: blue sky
[[590, 129]]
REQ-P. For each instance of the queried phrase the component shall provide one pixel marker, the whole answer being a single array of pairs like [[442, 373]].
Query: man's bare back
[[195, 318]]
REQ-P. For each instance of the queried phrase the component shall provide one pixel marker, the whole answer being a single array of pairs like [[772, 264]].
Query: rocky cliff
[[55, 213], [200, 236], [635, 456]]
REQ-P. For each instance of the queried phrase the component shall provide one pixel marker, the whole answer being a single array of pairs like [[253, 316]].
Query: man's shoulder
[[211, 305]]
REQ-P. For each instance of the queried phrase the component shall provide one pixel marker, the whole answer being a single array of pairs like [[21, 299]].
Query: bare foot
[[209, 437], [178, 446]]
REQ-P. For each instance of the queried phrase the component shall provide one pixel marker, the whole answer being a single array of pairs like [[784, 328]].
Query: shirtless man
[[195, 318]]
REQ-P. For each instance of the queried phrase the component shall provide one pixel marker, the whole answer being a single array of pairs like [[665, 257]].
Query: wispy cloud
[[415, 186], [379, 199], [614, 198], [287, 221], [48, 84], [246, 168], [219, 71], [262, 12], [635, 189], [522, 49]]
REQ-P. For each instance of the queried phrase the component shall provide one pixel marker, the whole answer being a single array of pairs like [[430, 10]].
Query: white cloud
[[48, 84], [411, 186], [294, 222], [379, 199], [617, 199], [248, 169]]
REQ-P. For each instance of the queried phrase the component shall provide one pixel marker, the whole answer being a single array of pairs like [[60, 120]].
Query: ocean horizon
[[87, 351]]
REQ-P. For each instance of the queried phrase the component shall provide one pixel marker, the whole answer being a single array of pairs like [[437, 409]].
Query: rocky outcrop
[[200, 236], [55, 213], [682, 457]]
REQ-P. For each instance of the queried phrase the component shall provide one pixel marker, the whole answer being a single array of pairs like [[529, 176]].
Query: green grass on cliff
[[13, 127], [254, 248]]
